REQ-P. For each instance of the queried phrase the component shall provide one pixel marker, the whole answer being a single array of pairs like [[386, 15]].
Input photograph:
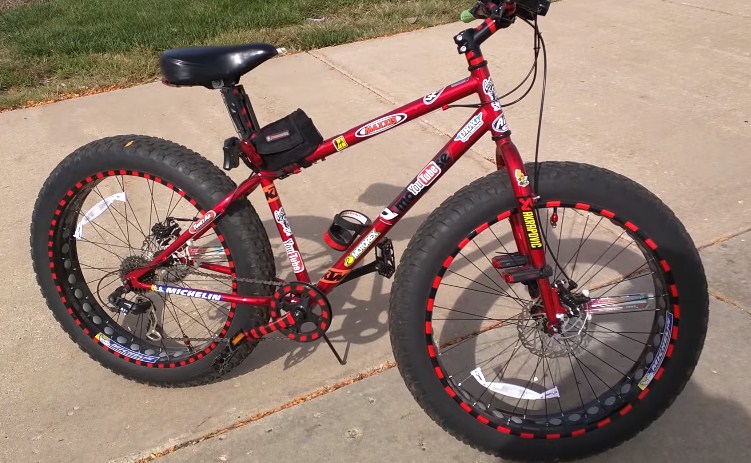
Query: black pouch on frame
[[287, 141]]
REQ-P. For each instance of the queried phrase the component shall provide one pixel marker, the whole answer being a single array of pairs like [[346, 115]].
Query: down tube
[[474, 128]]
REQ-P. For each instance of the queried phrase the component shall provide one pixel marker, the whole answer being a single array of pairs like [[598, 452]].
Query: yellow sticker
[[340, 143], [349, 261], [129, 143]]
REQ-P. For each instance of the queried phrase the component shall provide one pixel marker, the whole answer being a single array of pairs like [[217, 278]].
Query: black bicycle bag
[[287, 141]]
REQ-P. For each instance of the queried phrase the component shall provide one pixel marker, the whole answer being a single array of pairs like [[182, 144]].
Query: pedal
[[504, 261], [526, 274], [385, 261], [231, 153], [347, 226]]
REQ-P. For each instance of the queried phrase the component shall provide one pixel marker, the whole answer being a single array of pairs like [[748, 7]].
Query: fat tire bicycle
[[548, 310]]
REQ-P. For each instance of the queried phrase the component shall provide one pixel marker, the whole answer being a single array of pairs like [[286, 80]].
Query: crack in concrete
[[723, 238], [728, 301], [706, 9], [155, 454]]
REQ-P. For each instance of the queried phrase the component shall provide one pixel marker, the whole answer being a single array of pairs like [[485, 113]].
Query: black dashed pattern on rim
[[59, 245], [509, 428]]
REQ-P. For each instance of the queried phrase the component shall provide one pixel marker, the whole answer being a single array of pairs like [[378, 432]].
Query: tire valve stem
[[554, 218]]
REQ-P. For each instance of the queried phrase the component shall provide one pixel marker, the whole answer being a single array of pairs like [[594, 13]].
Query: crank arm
[[257, 333], [618, 304]]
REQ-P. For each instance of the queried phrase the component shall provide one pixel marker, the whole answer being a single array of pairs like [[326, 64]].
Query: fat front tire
[[472, 350]]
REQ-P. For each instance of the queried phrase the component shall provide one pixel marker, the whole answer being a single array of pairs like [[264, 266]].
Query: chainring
[[308, 305]]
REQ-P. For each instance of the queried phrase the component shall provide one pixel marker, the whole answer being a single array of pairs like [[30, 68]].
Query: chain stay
[[229, 278]]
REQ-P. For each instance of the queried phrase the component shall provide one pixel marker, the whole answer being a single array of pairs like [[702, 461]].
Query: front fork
[[525, 226]]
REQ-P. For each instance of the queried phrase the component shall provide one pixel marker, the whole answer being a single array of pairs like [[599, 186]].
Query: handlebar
[[505, 11], [496, 16]]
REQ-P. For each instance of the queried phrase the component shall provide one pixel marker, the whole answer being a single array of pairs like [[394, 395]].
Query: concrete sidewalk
[[655, 90]]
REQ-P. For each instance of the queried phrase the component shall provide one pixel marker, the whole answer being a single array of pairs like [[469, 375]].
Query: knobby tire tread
[[246, 228], [489, 189]]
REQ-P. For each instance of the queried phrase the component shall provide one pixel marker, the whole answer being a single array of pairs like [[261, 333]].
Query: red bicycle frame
[[488, 117]]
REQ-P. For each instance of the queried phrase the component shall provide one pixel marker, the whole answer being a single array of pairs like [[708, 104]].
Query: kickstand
[[336, 354]]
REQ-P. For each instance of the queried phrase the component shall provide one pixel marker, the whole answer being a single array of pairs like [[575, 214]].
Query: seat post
[[240, 110]]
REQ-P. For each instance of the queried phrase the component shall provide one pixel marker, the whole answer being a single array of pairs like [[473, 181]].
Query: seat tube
[[285, 230]]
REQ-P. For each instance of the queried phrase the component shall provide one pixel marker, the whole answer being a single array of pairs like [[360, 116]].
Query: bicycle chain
[[229, 278]]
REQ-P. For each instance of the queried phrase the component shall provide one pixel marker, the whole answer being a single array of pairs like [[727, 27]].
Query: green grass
[[65, 46]]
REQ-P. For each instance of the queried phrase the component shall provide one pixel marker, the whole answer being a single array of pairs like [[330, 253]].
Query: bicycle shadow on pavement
[[359, 317], [698, 427]]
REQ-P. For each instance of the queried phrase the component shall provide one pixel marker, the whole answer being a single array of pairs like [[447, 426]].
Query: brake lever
[[530, 9], [479, 11]]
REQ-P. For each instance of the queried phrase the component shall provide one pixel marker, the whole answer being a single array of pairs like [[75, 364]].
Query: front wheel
[[476, 354]]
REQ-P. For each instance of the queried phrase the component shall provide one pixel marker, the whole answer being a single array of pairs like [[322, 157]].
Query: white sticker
[[661, 352], [512, 390], [97, 210], [380, 125], [281, 218], [499, 124], [294, 256], [120, 349], [489, 88], [388, 214], [431, 97], [471, 127]]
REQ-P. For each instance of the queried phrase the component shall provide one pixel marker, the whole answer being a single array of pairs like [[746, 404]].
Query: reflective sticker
[[120, 349], [513, 390], [661, 352], [200, 254], [97, 210]]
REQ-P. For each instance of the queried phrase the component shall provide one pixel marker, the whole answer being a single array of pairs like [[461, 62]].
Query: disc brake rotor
[[573, 336]]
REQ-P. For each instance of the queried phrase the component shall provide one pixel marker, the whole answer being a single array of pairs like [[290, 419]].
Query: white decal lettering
[[381, 125], [431, 97], [201, 223], [471, 127], [293, 256], [499, 124], [361, 248]]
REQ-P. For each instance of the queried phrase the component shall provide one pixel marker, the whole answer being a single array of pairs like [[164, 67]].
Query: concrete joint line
[[388, 98], [728, 301], [158, 453], [706, 9], [723, 238]]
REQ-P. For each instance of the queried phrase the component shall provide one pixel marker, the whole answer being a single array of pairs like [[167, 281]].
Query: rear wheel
[[475, 351], [107, 209]]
